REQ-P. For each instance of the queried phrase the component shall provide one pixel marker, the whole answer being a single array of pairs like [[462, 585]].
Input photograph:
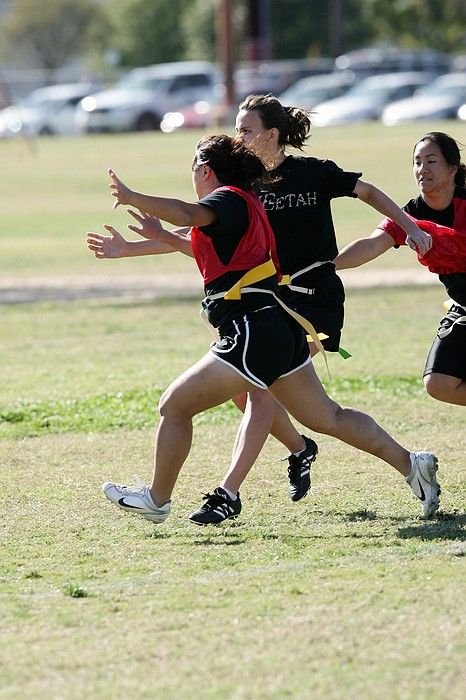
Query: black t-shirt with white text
[[298, 208]]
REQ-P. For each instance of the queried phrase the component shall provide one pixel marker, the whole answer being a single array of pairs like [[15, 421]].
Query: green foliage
[[199, 26], [433, 24], [302, 29], [55, 30], [149, 31]]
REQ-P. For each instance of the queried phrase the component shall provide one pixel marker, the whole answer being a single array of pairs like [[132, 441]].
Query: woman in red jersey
[[439, 209], [232, 243]]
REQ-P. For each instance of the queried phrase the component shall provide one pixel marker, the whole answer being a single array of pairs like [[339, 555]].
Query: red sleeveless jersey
[[254, 248]]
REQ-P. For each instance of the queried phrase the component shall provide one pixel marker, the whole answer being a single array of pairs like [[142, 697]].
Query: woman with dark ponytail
[[440, 209], [297, 200], [259, 344]]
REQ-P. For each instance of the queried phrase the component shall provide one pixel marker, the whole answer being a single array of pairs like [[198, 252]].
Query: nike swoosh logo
[[121, 502], [422, 496]]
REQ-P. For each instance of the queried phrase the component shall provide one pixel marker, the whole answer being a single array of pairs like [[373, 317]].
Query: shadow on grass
[[446, 526]]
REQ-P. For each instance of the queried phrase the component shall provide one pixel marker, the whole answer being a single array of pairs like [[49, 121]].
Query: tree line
[[142, 32]]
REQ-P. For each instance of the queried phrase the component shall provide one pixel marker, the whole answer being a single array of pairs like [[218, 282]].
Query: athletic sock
[[229, 493]]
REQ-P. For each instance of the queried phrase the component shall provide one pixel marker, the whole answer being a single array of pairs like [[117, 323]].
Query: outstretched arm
[[418, 240], [175, 211], [362, 250], [115, 246], [178, 240]]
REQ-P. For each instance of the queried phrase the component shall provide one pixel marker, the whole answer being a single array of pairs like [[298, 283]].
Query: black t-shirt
[[455, 283], [298, 208]]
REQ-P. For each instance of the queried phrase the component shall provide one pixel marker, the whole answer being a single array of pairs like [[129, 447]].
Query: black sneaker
[[218, 507], [299, 470]]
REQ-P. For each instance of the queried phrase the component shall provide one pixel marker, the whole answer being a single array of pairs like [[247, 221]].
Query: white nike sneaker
[[423, 481], [136, 500]]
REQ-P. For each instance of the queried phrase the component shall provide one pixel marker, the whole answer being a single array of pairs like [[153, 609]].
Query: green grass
[[347, 594], [52, 195]]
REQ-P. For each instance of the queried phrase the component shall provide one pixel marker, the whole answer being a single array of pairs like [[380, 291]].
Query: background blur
[[88, 46]]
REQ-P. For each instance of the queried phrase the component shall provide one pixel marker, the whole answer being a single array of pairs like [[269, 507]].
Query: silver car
[[439, 100], [367, 99], [46, 111], [308, 92], [141, 98]]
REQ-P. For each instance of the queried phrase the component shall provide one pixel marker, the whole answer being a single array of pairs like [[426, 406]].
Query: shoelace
[[213, 499], [296, 465]]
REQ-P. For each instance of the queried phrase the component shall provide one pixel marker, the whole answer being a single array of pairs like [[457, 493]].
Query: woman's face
[[197, 179], [250, 130], [431, 171]]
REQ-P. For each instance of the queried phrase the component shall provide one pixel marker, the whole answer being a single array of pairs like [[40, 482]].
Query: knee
[[328, 422], [436, 387], [167, 402]]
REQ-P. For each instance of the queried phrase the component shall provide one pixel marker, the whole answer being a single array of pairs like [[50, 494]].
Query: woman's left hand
[[149, 226], [419, 241]]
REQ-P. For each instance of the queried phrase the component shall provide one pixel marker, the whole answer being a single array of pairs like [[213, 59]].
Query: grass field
[[51, 195], [347, 594]]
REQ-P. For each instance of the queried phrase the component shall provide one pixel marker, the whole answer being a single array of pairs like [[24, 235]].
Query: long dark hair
[[293, 123], [232, 162], [450, 151]]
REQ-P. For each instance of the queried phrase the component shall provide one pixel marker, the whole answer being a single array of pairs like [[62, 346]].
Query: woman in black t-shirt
[[259, 344], [440, 177], [298, 205]]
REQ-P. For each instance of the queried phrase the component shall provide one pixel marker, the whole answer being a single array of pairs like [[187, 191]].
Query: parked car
[[439, 100], [369, 61], [367, 99], [141, 98], [308, 92], [45, 111], [277, 76]]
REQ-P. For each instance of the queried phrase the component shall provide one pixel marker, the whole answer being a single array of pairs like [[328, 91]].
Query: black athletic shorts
[[448, 352], [263, 345], [323, 306]]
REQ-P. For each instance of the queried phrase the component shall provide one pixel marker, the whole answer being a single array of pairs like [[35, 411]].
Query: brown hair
[[293, 123], [232, 162]]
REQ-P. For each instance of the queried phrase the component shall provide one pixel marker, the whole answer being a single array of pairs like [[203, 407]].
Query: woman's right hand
[[122, 194], [113, 246], [418, 240]]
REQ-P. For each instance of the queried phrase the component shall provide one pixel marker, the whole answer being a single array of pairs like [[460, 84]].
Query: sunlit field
[[346, 594], [54, 190]]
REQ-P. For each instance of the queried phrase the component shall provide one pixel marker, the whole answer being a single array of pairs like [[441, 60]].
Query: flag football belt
[[257, 274], [303, 290], [457, 317], [306, 290]]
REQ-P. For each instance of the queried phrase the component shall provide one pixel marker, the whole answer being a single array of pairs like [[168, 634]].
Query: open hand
[[112, 246], [149, 226]]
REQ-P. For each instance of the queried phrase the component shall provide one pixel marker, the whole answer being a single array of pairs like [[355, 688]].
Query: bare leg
[[281, 427], [444, 387], [251, 435], [304, 397], [263, 415], [208, 383]]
